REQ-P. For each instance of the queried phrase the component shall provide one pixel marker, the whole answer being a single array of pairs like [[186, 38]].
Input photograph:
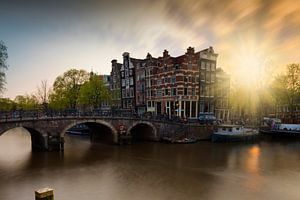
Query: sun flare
[[250, 63]]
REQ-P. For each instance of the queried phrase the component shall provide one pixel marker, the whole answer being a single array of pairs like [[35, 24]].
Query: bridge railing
[[19, 115]]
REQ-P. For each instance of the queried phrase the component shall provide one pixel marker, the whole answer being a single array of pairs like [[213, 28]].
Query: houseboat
[[276, 129], [233, 133]]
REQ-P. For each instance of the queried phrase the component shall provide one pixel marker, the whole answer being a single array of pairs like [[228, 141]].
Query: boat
[[277, 129], [185, 141], [179, 141], [233, 133], [79, 129]]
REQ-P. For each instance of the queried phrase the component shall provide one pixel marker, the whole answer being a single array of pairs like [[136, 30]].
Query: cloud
[[95, 32]]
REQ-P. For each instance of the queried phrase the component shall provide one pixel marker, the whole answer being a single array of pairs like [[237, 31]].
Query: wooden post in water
[[44, 194]]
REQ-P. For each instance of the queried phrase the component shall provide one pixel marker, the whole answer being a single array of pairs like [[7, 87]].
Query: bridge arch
[[143, 130], [94, 125], [37, 138]]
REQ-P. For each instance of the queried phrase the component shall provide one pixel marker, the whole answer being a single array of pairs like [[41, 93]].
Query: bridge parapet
[[45, 128]]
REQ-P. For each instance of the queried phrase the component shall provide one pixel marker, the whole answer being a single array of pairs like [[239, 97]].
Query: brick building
[[222, 95], [177, 86], [115, 84], [186, 80]]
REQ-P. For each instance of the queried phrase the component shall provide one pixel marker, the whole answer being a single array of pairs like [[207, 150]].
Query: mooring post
[[44, 194]]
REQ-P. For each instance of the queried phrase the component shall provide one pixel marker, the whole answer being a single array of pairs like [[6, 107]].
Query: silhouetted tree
[[3, 65]]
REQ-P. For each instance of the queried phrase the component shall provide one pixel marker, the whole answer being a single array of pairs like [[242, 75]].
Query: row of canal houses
[[183, 86]]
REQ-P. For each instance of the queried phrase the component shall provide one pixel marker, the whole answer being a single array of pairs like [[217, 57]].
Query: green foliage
[[6, 104], [286, 87], [66, 89], [3, 65], [93, 93], [26, 102]]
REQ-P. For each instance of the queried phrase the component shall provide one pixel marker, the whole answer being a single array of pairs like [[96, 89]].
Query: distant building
[[222, 95], [115, 84], [105, 105]]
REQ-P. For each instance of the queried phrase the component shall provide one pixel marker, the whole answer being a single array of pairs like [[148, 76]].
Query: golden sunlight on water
[[253, 160], [267, 170]]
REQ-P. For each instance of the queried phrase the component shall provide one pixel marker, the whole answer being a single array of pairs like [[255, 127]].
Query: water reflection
[[252, 162], [150, 170]]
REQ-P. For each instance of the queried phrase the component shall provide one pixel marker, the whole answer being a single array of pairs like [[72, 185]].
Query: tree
[[42, 93], [286, 87], [66, 89], [3, 65], [93, 93], [26, 102], [6, 104]]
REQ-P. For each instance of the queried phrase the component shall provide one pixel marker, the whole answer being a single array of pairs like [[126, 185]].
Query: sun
[[249, 68], [249, 63]]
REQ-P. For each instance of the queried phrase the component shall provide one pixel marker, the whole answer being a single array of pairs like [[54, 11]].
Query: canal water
[[85, 171]]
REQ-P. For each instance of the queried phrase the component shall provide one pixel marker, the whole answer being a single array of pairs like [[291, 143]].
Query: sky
[[254, 38]]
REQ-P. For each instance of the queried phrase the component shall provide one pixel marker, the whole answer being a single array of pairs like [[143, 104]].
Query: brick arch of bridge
[[99, 122], [149, 124], [37, 135]]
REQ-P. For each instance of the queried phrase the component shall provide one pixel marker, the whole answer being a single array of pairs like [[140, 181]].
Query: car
[[207, 118]]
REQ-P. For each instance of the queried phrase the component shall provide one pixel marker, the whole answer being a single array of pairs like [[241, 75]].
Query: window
[[130, 72], [167, 92], [123, 82], [159, 93], [177, 66], [158, 81], [202, 76], [212, 91], [193, 79], [212, 78], [201, 90], [213, 66], [174, 79], [185, 91], [126, 72], [131, 81], [207, 77], [185, 79], [122, 73], [208, 66], [202, 65], [131, 92], [193, 91], [174, 91], [123, 93]]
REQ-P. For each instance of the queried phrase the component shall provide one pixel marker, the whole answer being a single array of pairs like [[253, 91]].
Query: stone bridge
[[48, 133]]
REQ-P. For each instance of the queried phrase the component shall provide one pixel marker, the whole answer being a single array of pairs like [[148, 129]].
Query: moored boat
[[179, 141], [282, 130], [79, 129], [233, 133]]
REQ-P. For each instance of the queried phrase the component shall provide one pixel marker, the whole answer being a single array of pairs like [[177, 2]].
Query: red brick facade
[[157, 84]]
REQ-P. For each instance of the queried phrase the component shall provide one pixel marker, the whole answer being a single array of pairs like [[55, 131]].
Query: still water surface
[[265, 170]]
